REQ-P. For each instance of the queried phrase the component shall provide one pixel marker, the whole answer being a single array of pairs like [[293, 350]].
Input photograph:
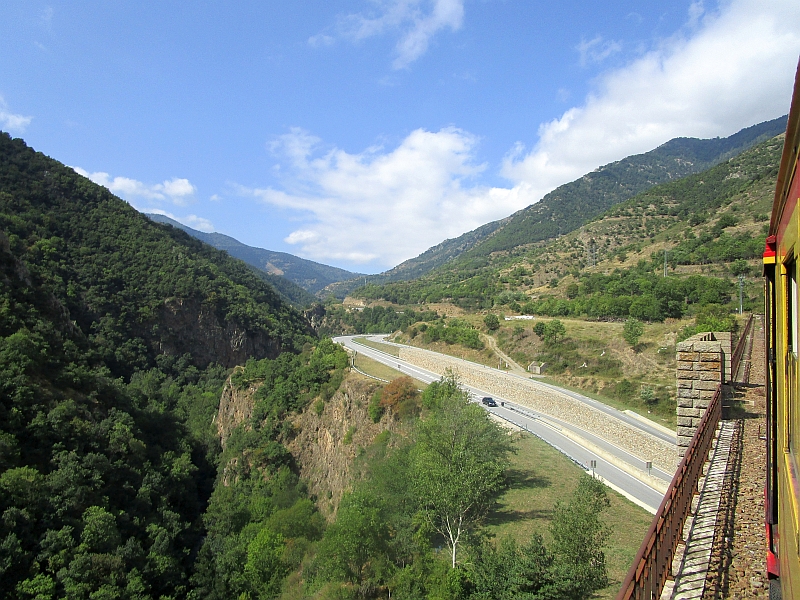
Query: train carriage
[[782, 271]]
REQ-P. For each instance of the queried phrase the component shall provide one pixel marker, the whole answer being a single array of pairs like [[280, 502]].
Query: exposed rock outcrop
[[320, 447], [324, 445], [315, 315], [188, 326], [235, 407]]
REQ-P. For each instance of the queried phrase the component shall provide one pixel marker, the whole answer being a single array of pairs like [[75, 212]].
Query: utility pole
[[741, 288]]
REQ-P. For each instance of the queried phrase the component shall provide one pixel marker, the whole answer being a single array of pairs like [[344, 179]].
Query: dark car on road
[[489, 401]]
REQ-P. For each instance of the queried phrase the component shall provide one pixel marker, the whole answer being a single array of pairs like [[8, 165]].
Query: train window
[[792, 413]]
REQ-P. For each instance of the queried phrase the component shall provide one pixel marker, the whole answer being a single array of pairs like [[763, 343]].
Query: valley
[[584, 431], [178, 423]]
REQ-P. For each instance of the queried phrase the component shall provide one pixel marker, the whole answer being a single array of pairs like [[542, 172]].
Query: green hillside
[[115, 338], [289, 291], [573, 204], [710, 222], [309, 275]]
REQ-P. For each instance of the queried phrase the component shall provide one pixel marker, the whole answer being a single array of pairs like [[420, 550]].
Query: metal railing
[[653, 564], [736, 359]]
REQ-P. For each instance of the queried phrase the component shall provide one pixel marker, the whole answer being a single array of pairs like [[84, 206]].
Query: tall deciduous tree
[[457, 467]]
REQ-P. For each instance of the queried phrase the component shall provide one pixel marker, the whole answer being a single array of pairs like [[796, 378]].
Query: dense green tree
[[579, 536], [457, 465], [554, 331], [355, 547], [632, 331], [492, 322], [264, 568], [438, 391]]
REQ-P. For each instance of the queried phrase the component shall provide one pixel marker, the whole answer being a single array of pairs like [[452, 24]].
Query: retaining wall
[[537, 397]]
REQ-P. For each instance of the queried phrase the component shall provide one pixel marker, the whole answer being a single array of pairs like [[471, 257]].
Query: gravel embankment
[[738, 568], [543, 400]]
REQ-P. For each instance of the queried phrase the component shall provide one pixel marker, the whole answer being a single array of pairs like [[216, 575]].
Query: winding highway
[[619, 469]]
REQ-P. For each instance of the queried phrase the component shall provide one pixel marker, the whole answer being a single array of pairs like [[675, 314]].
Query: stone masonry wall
[[549, 401], [702, 361]]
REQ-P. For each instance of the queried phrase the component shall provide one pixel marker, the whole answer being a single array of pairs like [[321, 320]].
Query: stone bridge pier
[[704, 361]]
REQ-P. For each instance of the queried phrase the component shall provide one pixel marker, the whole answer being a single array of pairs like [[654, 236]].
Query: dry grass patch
[[381, 371]]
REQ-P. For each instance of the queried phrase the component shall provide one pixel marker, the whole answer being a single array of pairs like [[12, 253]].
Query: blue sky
[[359, 133]]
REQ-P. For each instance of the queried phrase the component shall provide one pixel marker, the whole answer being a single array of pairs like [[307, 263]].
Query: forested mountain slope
[[114, 337], [711, 222], [134, 288], [311, 276], [572, 204]]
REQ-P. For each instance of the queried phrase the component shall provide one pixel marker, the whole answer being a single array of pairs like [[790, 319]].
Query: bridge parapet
[[703, 364]]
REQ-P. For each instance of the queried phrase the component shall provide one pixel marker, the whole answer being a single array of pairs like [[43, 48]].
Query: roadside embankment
[[549, 402]]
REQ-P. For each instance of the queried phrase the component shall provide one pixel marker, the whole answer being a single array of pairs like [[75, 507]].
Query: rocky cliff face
[[315, 315], [323, 453], [187, 326], [235, 407], [321, 446]]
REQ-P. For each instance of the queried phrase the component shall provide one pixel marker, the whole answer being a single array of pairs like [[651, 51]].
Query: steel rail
[[738, 353]]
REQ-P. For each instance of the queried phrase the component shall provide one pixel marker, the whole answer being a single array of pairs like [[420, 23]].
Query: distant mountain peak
[[309, 275]]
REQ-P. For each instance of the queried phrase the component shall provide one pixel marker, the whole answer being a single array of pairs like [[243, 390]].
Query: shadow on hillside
[[519, 479]]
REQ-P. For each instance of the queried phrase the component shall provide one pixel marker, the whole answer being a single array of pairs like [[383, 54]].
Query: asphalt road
[[550, 429]]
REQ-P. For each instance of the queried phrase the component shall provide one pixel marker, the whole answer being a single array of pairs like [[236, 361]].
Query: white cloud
[[725, 70], [696, 10], [177, 188], [321, 39], [178, 191], [11, 122], [193, 221], [385, 206], [597, 50], [199, 223], [408, 18]]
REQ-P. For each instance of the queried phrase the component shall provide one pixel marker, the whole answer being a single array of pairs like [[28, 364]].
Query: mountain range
[[561, 211], [710, 223], [309, 275], [578, 202]]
